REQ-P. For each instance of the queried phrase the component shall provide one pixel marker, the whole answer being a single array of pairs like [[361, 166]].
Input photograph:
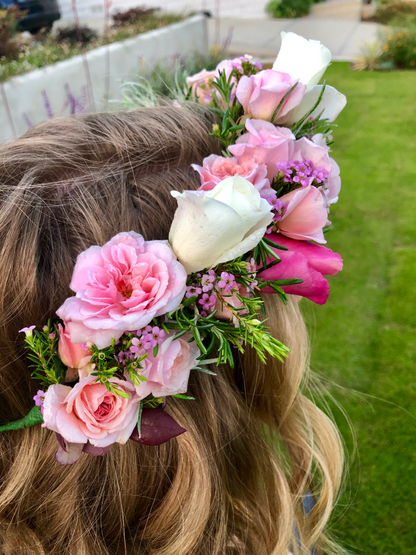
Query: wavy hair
[[235, 482]]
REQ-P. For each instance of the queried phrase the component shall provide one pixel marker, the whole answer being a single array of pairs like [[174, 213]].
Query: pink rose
[[120, 287], [217, 168], [201, 83], [304, 216], [264, 143], [89, 412], [317, 151], [304, 261], [71, 354], [168, 372], [261, 94]]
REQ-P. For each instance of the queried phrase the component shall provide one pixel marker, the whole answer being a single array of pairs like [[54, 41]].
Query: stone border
[[74, 86]]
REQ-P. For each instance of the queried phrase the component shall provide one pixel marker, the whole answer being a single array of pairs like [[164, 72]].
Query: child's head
[[235, 482]]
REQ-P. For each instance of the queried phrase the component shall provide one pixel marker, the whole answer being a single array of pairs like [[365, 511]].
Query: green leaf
[[139, 419], [189, 301], [281, 102], [184, 397], [33, 418], [274, 245]]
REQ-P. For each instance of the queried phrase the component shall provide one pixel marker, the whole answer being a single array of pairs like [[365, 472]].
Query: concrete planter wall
[[72, 86]]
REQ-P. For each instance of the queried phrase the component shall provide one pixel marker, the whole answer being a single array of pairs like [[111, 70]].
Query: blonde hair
[[235, 482]]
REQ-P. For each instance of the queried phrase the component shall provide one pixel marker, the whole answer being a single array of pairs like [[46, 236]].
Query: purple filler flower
[[193, 290], [125, 357]]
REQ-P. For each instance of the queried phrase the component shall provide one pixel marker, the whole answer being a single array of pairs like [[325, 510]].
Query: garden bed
[[48, 51]]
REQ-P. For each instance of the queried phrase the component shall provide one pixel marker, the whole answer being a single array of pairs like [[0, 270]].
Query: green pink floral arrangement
[[146, 313]]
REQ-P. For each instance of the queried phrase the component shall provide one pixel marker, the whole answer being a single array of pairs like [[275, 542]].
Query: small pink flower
[[155, 336], [28, 331], [304, 261], [73, 355], [217, 168], [227, 282], [261, 94], [120, 287], [168, 372], [208, 282], [304, 216], [264, 143], [207, 301], [140, 346], [39, 399], [89, 412], [202, 83]]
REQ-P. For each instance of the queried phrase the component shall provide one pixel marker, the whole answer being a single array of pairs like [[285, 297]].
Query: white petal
[[332, 104], [245, 246], [202, 229], [302, 59]]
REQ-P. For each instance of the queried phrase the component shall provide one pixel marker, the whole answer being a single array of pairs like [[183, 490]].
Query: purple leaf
[[91, 449], [157, 427], [68, 453]]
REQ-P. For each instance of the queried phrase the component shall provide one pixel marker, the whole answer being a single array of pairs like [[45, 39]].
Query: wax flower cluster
[[146, 313]]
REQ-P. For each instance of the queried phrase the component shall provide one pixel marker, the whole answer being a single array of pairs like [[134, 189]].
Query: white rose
[[220, 225], [302, 59], [307, 61]]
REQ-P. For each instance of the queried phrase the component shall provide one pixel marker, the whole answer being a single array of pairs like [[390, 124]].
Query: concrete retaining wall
[[63, 89]]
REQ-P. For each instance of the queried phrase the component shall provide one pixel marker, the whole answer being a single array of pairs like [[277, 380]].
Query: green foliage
[[399, 47], [288, 8], [43, 355], [364, 338]]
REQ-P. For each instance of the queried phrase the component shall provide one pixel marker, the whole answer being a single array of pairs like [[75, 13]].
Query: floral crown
[[146, 313]]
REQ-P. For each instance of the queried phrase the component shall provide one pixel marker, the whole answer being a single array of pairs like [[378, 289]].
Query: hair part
[[235, 482]]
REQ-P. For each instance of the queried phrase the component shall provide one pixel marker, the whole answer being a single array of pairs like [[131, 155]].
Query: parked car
[[40, 13]]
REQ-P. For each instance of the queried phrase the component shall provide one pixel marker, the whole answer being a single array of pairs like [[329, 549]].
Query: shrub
[[9, 48], [75, 35], [132, 15], [288, 8], [395, 12], [399, 47]]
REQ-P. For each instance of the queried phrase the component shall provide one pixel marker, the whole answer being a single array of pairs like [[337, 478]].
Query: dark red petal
[[157, 427]]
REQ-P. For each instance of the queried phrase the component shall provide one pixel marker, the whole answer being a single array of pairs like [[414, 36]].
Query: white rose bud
[[219, 225], [307, 61]]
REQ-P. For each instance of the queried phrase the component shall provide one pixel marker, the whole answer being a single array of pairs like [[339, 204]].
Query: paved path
[[261, 38]]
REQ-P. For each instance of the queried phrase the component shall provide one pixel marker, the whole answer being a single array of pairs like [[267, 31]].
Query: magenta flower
[[125, 357], [154, 335], [305, 261], [120, 287]]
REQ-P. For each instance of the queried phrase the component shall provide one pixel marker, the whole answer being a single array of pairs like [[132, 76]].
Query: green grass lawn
[[364, 338]]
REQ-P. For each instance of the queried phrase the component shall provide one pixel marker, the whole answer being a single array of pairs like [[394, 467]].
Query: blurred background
[[65, 57]]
